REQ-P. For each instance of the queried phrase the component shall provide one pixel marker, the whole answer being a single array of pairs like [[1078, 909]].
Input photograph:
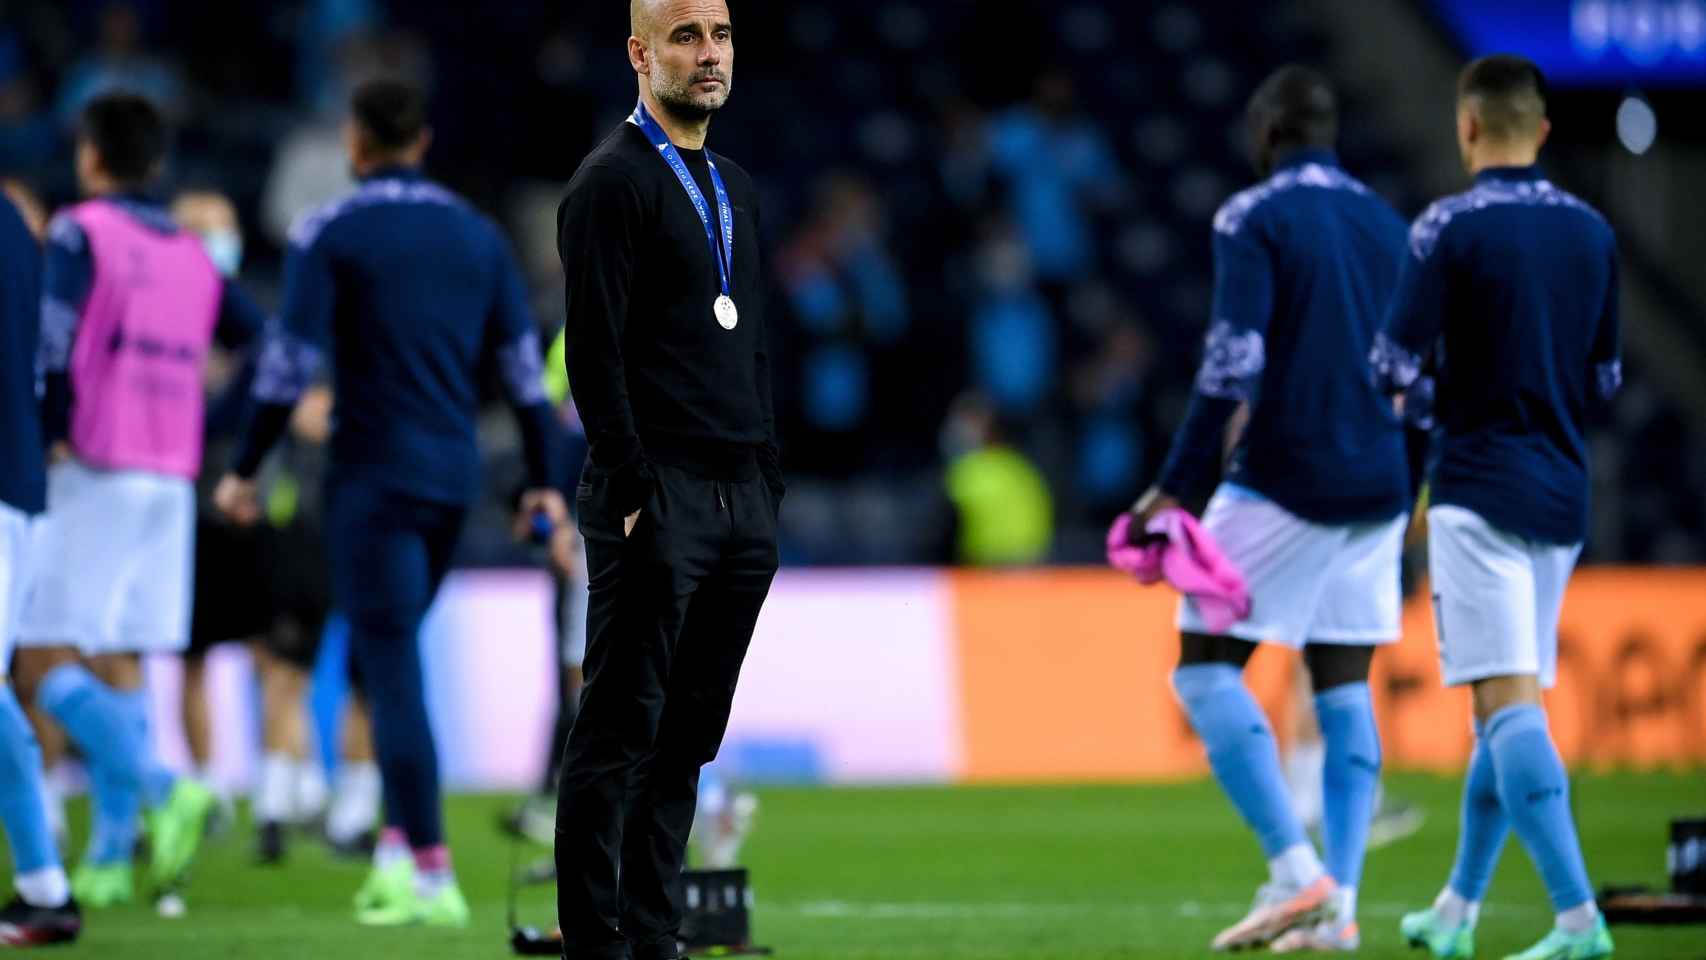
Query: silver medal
[[727, 315]]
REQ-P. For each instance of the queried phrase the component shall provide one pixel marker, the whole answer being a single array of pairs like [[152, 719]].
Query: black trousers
[[670, 612]]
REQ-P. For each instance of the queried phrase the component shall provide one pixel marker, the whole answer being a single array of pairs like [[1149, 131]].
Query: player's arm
[[1606, 356], [292, 353], [239, 328], [597, 227], [515, 344], [1403, 349], [68, 273], [1234, 355], [241, 321]]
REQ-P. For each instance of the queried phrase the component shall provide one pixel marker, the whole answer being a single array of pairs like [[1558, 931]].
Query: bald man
[[665, 352]]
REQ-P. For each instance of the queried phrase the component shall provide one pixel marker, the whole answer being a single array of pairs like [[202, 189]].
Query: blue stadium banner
[[1590, 43]]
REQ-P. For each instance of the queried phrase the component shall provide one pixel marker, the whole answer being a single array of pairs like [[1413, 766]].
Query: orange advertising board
[[1063, 675]]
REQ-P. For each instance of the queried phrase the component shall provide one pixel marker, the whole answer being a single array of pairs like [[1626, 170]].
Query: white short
[[1309, 582], [113, 562], [1496, 598], [14, 577]]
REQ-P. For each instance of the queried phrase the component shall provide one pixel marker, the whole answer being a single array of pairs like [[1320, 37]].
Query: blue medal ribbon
[[723, 253]]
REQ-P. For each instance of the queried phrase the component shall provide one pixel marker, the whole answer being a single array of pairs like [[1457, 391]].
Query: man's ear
[[639, 57]]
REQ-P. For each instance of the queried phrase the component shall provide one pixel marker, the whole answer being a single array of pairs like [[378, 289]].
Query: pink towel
[[1176, 548]]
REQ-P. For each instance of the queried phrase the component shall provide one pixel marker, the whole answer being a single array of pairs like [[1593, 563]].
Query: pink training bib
[[142, 342]]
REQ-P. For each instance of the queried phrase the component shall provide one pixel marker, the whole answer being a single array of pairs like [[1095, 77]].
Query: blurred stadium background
[[991, 225]]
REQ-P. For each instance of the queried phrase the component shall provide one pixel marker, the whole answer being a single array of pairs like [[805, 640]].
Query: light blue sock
[[1535, 793], [20, 790], [1352, 777], [114, 809], [1484, 827], [99, 722], [157, 781], [1241, 751]]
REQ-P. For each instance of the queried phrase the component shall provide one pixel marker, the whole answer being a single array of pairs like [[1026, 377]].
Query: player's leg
[[1358, 609], [638, 591], [83, 547], [1244, 758], [1534, 787], [227, 604], [1285, 561], [1497, 602], [42, 910], [1351, 778], [709, 652], [390, 552], [300, 593], [366, 547], [284, 740], [352, 818], [198, 728], [155, 616], [1473, 572], [1305, 754], [51, 738]]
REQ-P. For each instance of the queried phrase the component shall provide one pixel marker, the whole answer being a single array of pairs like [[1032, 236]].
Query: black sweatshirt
[[654, 377]]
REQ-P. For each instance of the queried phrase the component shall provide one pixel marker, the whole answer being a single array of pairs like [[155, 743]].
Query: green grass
[[1082, 872]]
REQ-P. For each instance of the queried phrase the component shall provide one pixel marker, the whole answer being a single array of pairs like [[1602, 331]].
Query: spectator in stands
[[27, 135], [1002, 512], [849, 302], [1057, 168], [118, 63], [1107, 392], [1013, 337]]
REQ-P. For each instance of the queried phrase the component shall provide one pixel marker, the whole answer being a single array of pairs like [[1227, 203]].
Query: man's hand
[[548, 504], [59, 453], [1153, 501], [237, 500]]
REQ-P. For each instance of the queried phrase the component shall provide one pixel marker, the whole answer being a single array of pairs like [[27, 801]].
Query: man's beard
[[680, 99]]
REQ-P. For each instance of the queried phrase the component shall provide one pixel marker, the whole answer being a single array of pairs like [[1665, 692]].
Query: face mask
[[225, 249]]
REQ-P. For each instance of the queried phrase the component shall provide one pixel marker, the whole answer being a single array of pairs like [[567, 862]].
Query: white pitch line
[[924, 910]]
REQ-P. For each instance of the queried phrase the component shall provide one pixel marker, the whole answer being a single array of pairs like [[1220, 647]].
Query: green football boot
[[103, 885], [175, 831], [1425, 929], [386, 886], [1560, 945], [446, 908]]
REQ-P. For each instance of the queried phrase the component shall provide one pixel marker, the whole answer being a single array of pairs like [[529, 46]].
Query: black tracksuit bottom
[[671, 610]]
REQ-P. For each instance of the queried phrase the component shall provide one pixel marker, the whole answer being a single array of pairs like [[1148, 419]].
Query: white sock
[[273, 788], [392, 849], [1296, 867], [46, 887], [310, 794], [430, 883], [1454, 911], [1345, 905], [1579, 919], [355, 803], [1304, 764]]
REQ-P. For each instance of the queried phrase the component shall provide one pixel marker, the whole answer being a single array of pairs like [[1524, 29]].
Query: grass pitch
[[1074, 873]]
